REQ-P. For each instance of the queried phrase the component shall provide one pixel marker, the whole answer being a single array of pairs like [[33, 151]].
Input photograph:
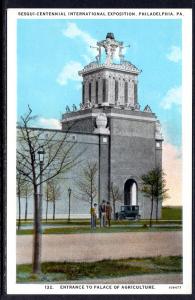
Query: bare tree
[[20, 182], [87, 184], [58, 159], [115, 196], [27, 191], [53, 192], [154, 187]]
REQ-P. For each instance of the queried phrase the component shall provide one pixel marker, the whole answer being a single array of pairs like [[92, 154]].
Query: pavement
[[97, 246]]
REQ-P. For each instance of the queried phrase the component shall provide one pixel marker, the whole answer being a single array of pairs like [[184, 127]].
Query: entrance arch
[[130, 192]]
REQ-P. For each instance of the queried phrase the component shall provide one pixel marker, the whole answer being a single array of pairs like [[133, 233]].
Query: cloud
[[69, 72], [175, 54], [172, 97], [48, 123], [172, 166], [73, 31]]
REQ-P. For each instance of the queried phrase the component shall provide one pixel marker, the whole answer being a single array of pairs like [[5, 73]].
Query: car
[[128, 212]]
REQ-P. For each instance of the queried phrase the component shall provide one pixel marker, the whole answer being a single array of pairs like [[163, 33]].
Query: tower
[[129, 139], [108, 83]]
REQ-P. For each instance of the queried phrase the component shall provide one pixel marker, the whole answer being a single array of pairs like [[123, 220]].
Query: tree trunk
[[151, 212], [156, 209], [19, 211], [91, 210], [26, 206], [54, 209], [114, 209], [46, 210], [37, 234]]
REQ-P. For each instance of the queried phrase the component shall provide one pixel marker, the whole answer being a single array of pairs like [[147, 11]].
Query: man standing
[[103, 214], [93, 216], [108, 213]]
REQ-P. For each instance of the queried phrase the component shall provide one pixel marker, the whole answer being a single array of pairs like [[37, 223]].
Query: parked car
[[128, 212]]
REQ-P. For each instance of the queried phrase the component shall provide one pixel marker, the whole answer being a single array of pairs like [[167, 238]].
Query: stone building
[[111, 130], [125, 141]]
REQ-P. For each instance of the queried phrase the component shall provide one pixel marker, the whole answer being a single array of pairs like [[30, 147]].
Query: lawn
[[80, 229], [63, 271], [172, 213]]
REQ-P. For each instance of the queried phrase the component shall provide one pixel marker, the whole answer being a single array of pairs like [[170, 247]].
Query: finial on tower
[[110, 35]]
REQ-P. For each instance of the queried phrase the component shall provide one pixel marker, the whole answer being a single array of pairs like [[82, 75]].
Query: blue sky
[[51, 52]]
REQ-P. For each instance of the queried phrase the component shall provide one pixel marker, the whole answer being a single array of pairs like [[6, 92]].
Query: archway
[[130, 192]]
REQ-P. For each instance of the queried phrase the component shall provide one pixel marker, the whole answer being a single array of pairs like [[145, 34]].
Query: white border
[[12, 17]]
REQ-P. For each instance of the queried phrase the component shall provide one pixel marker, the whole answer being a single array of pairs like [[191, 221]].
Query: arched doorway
[[130, 192]]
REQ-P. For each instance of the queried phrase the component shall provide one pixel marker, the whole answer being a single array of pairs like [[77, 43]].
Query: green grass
[[76, 230], [172, 213], [87, 222], [62, 271]]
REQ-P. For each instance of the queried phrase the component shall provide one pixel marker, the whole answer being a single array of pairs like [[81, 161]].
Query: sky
[[51, 52]]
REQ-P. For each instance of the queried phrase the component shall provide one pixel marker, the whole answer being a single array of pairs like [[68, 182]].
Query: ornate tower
[[106, 83], [128, 140]]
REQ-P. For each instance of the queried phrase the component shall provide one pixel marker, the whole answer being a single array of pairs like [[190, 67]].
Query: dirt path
[[98, 246]]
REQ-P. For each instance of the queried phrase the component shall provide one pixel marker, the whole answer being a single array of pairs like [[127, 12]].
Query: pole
[[69, 194], [40, 195]]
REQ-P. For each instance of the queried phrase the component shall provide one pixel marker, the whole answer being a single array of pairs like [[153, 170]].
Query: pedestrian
[[108, 213], [103, 214], [100, 214], [93, 216]]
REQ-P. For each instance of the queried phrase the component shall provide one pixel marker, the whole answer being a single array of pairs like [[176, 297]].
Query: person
[[93, 216], [108, 213], [103, 214], [100, 214]]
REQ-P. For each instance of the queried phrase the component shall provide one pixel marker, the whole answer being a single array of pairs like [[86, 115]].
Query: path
[[98, 246]]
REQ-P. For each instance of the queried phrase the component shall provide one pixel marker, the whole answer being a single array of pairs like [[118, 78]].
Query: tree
[[115, 195], [87, 184], [20, 182], [53, 192], [154, 188], [58, 159], [160, 191], [27, 191]]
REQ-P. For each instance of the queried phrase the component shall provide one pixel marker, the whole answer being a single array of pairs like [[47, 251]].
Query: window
[[157, 144], [89, 91], [116, 91], [126, 91], [96, 92], [83, 93], [104, 90], [135, 92]]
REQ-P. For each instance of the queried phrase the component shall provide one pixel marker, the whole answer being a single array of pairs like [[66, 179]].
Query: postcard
[[99, 172]]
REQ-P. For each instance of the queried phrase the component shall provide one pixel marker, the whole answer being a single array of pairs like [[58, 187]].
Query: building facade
[[111, 130], [126, 142]]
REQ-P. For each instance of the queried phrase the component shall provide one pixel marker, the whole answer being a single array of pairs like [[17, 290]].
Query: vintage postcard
[[99, 151]]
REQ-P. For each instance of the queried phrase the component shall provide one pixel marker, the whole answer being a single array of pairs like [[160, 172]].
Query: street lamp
[[69, 195], [41, 153]]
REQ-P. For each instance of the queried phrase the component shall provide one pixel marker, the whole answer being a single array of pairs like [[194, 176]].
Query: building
[[110, 129], [126, 141]]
